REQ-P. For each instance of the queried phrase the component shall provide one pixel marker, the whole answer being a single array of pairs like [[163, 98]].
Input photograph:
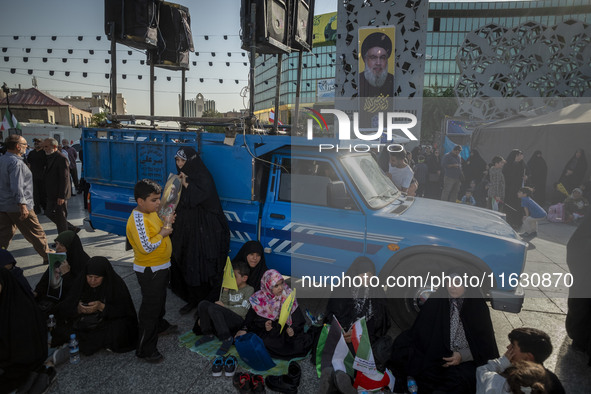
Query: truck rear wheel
[[406, 299]]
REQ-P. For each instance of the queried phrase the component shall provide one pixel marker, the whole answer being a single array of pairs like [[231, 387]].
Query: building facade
[[33, 105], [98, 102], [448, 24], [194, 108]]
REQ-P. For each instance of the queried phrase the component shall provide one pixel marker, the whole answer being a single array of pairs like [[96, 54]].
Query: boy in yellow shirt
[[151, 249]]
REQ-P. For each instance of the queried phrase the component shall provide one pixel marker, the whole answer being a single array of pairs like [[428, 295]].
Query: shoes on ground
[[258, 384], [217, 366], [242, 383], [230, 364]]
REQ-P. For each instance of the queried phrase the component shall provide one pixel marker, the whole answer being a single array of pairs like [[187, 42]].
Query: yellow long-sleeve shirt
[[149, 248]]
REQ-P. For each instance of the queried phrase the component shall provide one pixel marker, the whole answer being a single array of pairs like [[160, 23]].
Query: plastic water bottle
[[50, 326], [74, 350], [412, 385]]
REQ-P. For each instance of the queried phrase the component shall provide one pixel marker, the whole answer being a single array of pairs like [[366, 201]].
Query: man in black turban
[[375, 80]]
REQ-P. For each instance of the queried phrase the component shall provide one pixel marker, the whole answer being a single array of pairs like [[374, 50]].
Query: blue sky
[[68, 19]]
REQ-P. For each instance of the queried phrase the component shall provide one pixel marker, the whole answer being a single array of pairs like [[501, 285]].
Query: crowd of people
[[498, 185], [450, 348]]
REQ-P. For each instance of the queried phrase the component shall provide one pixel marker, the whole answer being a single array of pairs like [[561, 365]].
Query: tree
[[213, 114], [438, 102], [98, 119]]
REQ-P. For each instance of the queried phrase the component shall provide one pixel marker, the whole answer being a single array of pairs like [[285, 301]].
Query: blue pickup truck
[[314, 212]]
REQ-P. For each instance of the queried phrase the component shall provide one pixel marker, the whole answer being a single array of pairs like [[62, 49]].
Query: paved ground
[[186, 372]]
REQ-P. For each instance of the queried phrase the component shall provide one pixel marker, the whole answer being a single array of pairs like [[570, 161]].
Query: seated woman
[[49, 293], [99, 309], [451, 337], [363, 302], [7, 261], [262, 319], [575, 205], [23, 338], [252, 252]]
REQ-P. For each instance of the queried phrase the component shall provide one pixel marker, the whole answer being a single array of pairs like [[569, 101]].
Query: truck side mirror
[[337, 195]]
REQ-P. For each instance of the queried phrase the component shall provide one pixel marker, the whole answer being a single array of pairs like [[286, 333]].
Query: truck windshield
[[375, 187]]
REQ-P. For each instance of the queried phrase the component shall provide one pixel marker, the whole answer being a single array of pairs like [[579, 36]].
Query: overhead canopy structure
[[556, 134]]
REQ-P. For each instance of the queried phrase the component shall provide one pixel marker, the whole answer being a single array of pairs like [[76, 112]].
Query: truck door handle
[[277, 216]]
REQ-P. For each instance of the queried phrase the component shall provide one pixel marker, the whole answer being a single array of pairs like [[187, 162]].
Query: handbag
[[252, 351], [88, 322]]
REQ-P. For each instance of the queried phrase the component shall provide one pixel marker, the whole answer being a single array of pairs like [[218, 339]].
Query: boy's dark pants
[[151, 314], [225, 322]]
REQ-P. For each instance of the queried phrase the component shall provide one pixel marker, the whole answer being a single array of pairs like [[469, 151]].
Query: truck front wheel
[[413, 280]]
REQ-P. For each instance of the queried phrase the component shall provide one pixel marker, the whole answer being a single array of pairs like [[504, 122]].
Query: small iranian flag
[[336, 353], [9, 122], [368, 376]]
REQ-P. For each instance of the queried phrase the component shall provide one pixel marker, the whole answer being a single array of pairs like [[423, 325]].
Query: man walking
[[37, 159], [16, 198], [57, 186], [452, 174]]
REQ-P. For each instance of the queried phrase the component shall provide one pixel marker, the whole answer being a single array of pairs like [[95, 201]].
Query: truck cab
[[315, 212]]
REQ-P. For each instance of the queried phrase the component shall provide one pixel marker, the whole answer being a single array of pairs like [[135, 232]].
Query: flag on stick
[[336, 353], [229, 281], [368, 377], [286, 309]]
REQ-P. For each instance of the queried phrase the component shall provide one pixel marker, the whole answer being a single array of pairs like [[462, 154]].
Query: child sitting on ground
[[500, 376], [533, 213], [226, 316], [468, 199], [263, 320]]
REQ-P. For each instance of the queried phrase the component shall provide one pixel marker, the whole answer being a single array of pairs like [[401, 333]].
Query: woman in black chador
[[452, 336], [574, 171], [253, 254], [99, 309], [201, 236], [47, 296], [538, 172], [23, 333], [514, 172]]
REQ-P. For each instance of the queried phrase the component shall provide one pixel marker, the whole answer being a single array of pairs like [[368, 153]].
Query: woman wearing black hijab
[[514, 173], [76, 258], [23, 334], [574, 171], [474, 168], [253, 254], [538, 172], [364, 302], [201, 236], [452, 336], [99, 309]]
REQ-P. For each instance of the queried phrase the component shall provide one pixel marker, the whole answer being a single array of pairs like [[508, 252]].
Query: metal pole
[[152, 86], [113, 70], [277, 90], [298, 91], [183, 93], [253, 53]]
